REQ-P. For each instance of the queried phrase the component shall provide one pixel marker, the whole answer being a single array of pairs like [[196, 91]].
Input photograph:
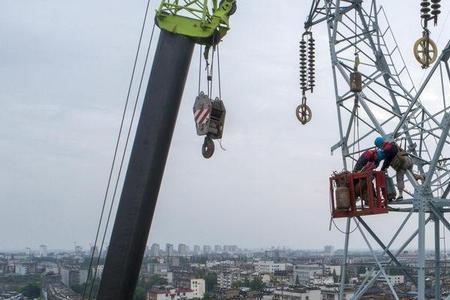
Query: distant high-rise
[[72, 276], [197, 250], [328, 249], [28, 251], [155, 250], [169, 249], [93, 251], [198, 288], [78, 250], [43, 252], [206, 249], [218, 249], [230, 249], [183, 249]]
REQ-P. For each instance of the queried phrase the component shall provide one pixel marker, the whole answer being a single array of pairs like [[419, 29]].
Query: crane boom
[[179, 34]]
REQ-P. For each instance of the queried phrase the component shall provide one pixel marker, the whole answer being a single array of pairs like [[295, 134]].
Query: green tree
[[31, 290], [208, 296], [210, 281], [246, 282], [257, 284], [361, 270], [236, 284], [78, 288], [140, 293], [156, 280]]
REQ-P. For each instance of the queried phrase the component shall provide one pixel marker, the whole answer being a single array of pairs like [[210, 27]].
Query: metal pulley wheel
[[208, 147], [233, 8], [304, 113], [425, 51]]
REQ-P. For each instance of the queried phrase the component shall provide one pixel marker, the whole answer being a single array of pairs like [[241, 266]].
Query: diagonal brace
[[383, 246], [445, 125]]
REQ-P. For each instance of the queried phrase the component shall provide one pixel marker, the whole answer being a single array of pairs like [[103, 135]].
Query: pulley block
[[209, 117], [307, 48], [356, 82], [425, 51], [304, 113]]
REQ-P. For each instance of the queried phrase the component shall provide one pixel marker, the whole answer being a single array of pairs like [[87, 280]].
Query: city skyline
[[191, 250], [270, 273]]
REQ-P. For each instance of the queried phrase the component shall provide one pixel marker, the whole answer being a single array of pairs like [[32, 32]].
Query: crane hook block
[[425, 51], [209, 116], [304, 113]]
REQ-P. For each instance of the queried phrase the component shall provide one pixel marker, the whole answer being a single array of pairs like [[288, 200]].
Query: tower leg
[[146, 167], [344, 266], [421, 254], [437, 257]]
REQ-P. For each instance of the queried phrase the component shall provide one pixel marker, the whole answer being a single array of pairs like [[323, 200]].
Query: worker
[[370, 159], [390, 150], [399, 160]]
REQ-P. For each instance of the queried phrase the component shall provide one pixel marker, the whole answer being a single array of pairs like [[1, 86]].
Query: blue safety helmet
[[380, 155], [379, 142]]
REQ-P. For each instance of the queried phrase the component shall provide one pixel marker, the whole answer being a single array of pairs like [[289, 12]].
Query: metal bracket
[[337, 146]]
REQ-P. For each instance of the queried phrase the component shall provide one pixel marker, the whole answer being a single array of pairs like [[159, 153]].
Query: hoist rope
[[209, 68], [356, 148], [200, 69], [218, 72], [211, 73], [119, 135], [358, 135]]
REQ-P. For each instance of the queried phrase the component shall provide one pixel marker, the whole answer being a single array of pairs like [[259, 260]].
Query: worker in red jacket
[[369, 159], [399, 160]]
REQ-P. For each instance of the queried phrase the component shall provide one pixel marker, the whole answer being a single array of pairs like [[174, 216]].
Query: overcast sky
[[64, 72]]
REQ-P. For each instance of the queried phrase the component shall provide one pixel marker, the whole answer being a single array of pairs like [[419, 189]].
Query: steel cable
[[124, 151], [200, 70], [116, 151], [218, 72]]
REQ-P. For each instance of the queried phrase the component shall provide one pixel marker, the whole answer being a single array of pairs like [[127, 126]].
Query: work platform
[[358, 194]]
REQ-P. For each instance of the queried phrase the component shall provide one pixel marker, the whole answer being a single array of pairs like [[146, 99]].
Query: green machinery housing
[[196, 19]]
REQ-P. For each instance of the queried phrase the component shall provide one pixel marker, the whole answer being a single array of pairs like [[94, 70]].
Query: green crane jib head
[[194, 19]]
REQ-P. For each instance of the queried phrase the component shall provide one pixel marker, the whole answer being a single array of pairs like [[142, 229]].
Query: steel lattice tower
[[389, 105]]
